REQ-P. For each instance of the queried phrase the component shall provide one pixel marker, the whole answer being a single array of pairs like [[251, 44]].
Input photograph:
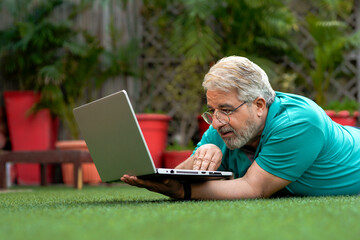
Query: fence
[[158, 65]]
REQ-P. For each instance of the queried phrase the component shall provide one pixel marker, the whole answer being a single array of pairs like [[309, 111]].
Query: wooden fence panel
[[158, 65]]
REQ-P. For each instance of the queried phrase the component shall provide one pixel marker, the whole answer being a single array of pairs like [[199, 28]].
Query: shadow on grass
[[155, 202], [78, 204], [127, 202]]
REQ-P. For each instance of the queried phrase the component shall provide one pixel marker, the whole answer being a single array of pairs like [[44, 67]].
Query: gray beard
[[242, 136]]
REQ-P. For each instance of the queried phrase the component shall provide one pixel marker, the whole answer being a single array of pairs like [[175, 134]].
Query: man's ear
[[260, 105]]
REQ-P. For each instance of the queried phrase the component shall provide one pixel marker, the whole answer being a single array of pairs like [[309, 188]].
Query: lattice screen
[[158, 66], [339, 89]]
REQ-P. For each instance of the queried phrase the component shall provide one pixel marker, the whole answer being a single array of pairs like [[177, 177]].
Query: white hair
[[241, 74]]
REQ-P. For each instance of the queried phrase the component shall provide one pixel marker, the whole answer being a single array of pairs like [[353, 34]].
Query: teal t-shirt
[[302, 144]]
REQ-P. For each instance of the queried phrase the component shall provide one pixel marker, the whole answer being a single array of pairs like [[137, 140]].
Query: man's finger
[[201, 154], [197, 164], [207, 159], [212, 166], [133, 180], [204, 164]]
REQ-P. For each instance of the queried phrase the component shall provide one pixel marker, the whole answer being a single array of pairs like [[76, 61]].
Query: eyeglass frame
[[217, 116]]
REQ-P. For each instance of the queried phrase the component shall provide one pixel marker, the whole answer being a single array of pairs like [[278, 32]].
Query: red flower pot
[[90, 173], [203, 126], [29, 131], [343, 117], [174, 158], [155, 130]]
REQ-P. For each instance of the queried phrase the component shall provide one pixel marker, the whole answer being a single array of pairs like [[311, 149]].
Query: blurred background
[[70, 52]]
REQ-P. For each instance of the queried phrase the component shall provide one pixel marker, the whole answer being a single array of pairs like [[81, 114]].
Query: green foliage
[[50, 55], [191, 36], [32, 43], [346, 104], [187, 91], [120, 60], [332, 38], [178, 147], [330, 42], [255, 27], [205, 31], [202, 31]]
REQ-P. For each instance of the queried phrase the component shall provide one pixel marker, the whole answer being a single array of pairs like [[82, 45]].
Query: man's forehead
[[218, 98]]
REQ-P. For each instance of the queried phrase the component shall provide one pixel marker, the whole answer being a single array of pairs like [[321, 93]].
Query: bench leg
[[78, 178], [3, 175], [43, 172]]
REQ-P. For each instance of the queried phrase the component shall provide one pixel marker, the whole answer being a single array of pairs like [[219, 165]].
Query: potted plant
[[154, 127], [52, 58], [24, 50], [29, 131], [90, 173], [344, 112], [176, 154], [119, 60]]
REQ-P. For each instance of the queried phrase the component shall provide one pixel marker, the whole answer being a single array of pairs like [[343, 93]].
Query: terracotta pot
[[203, 126], [155, 130], [90, 173], [174, 158], [29, 132], [343, 117]]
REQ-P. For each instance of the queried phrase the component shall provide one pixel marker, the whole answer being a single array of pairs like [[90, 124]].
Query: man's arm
[[256, 183]]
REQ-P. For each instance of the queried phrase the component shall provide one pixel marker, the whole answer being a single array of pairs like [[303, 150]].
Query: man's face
[[243, 126]]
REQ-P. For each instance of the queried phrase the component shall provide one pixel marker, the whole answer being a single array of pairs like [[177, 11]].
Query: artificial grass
[[122, 212]]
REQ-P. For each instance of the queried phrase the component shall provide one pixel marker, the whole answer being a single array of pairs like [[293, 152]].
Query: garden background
[[74, 51], [160, 50]]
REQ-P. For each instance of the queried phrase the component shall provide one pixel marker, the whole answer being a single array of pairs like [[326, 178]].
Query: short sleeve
[[290, 149]]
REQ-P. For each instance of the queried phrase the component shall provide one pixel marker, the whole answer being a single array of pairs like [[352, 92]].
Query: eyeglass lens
[[220, 116]]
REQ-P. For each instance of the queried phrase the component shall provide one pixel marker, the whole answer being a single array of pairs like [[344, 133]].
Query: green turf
[[121, 212]]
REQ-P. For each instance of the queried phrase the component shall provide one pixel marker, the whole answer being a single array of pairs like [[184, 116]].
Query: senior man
[[271, 141]]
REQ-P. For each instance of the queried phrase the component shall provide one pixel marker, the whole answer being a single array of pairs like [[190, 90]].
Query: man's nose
[[216, 123]]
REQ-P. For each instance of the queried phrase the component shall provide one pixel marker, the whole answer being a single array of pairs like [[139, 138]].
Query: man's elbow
[[257, 191]]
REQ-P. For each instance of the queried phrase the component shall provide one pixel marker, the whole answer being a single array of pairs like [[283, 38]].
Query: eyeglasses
[[222, 116]]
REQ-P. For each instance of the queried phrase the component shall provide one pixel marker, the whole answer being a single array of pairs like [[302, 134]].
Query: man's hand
[[169, 187], [257, 183], [207, 157]]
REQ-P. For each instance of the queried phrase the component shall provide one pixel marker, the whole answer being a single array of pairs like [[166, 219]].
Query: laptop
[[117, 145]]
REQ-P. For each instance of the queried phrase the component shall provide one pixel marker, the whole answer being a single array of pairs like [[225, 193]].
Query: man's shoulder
[[296, 108], [291, 112], [296, 101]]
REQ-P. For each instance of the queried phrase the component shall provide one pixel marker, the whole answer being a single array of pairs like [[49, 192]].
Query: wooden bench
[[77, 157]]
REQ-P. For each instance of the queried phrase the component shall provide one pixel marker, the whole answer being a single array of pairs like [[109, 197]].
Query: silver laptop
[[117, 145]]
